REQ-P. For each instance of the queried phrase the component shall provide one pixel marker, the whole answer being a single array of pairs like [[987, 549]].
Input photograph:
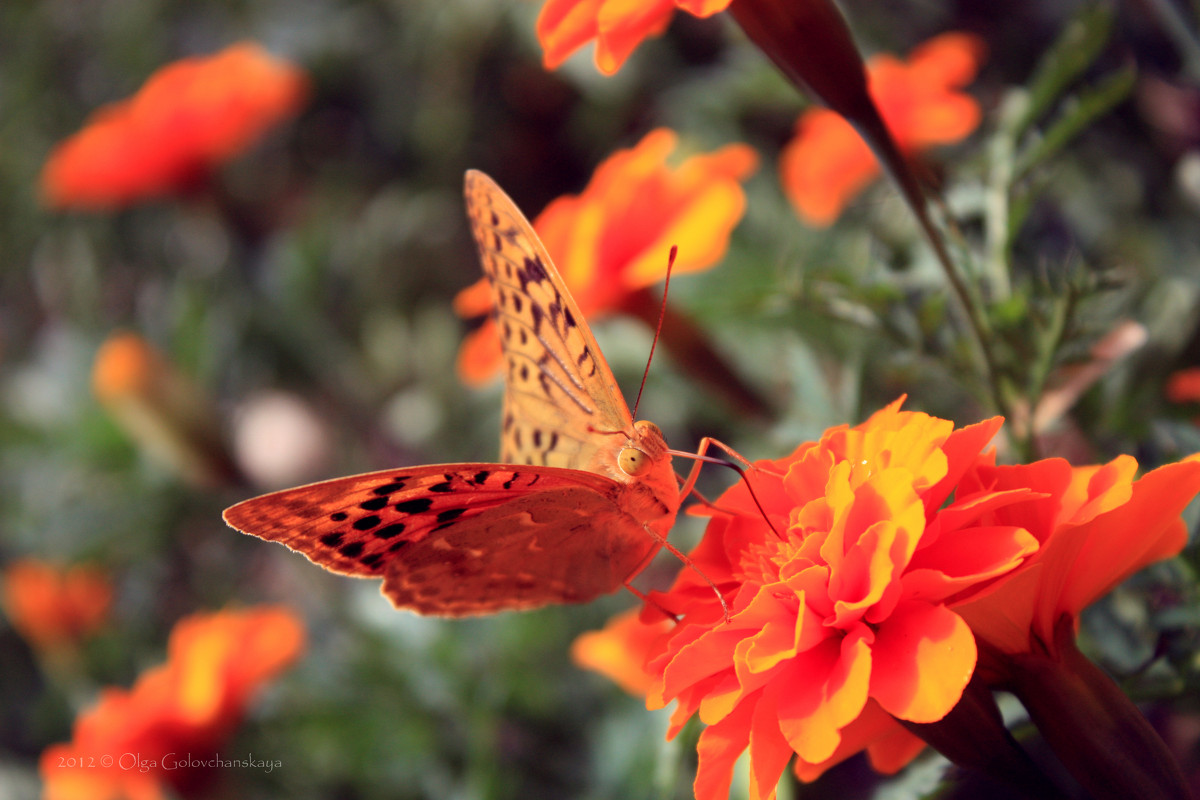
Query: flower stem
[[1093, 727], [973, 736]]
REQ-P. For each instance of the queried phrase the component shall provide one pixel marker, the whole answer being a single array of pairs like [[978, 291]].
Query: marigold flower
[[216, 665], [827, 163], [843, 622], [614, 238], [1096, 526], [52, 607], [188, 117], [161, 409]]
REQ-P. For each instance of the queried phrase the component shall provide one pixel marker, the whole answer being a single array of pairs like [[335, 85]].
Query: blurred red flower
[[188, 117], [52, 607], [189, 706], [827, 163], [1184, 386], [615, 237]]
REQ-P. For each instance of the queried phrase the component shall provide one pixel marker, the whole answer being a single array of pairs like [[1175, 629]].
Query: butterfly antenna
[[662, 313]]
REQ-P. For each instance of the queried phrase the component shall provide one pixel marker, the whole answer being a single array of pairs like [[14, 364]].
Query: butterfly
[[584, 499]]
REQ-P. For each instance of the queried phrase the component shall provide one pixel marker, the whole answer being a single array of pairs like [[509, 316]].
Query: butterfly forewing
[[558, 386]]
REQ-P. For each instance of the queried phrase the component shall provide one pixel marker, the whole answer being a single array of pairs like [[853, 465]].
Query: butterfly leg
[[688, 563], [700, 458], [650, 601]]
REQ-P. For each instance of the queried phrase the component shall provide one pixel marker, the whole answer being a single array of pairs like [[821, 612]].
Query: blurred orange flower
[[827, 163], [52, 607], [161, 410], [615, 237], [844, 622], [133, 744], [617, 26], [188, 117]]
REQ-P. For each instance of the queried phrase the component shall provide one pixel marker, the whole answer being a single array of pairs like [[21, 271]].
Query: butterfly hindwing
[[558, 387], [455, 539]]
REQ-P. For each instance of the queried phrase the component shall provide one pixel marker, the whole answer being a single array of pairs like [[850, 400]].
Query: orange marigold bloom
[[827, 163], [842, 621], [615, 237], [188, 117], [1096, 526], [50, 606], [618, 26], [124, 746]]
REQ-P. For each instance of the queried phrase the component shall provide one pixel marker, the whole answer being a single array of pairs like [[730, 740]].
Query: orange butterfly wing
[[458, 539]]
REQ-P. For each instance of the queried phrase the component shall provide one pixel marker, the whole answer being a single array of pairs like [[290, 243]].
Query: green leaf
[[1074, 51], [1078, 112]]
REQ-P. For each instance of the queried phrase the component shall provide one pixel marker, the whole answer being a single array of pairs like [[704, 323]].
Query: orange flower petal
[[563, 26], [924, 657], [824, 167], [619, 651], [624, 24], [475, 300], [1143, 530], [479, 355], [719, 747]]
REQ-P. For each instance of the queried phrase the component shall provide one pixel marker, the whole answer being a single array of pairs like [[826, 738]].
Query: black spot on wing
[[396, 485], [365, 523], [333, 539], [388, 531], [374, 504], [418, 506], [480, 477], [352, 550], [338, 516]]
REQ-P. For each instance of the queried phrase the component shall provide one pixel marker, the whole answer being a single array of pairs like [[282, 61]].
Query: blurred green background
[[324, 268]]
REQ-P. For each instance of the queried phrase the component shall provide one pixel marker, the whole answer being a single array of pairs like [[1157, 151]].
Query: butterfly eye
[[632, 461]]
